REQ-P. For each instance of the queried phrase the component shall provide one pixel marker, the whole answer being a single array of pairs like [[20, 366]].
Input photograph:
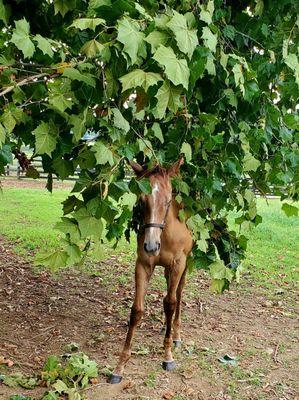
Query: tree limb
[[26, 81]]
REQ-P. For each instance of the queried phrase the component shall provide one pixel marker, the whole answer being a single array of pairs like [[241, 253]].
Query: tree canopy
[[87, 84]]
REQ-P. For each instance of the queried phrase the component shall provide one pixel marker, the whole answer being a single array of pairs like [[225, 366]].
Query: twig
[[275, 354], [251, 38], [93, 386], [150, 148], [44, 330], [26, 81], [261, 191]]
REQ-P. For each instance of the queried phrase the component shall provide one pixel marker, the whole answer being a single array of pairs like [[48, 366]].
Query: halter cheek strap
[[155, 224]]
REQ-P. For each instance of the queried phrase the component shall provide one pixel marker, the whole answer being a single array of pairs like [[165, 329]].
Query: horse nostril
[[158, 244], [145, 246]]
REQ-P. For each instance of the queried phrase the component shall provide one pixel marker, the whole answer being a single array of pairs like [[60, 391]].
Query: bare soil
[[28, 183], [40, 314]]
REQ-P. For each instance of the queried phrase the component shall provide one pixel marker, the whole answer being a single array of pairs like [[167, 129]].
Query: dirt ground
[[12, 182], [40, 314]]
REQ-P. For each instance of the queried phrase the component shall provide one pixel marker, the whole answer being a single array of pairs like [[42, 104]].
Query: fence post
[[19, 172], [7, 170]]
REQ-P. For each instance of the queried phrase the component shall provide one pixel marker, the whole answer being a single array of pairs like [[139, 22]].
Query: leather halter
[[155, 224]]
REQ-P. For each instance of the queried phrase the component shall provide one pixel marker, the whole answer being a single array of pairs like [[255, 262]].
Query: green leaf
[[2, 134], [74, 254], [103, 154], [239, 78], [69, 226], [63, 168], [232, 98], [78, 123], [5, 155], [140, 78], [87, 23], [176, 69], [133, 40], [74, 74], [156, 38], [168, 96], [290, 210], [45, 138], [292, 62], [128, 199], [187, 151], [219, 271], [92, 48], [119, 121], [44, 45], [185, 37], [144, 186], [64, 6], [259, 7], [8, 120], [60, 102], [250, 163], [51, 364], [210, 39], [51, 396], [4, 12], [157, 131], [229, 31], [54, 261], [60, 387], [21, 38], [207, 11], [88, 225]]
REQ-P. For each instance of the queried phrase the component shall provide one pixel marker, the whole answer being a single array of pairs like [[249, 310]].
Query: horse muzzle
[[152, 248]]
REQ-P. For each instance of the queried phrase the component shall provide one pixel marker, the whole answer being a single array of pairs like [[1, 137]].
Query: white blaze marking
[[152, 233]]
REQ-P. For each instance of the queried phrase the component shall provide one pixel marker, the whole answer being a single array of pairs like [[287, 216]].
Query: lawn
[[27, 218]]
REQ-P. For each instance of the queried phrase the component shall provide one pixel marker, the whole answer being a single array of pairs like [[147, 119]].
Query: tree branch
[[26, 81]]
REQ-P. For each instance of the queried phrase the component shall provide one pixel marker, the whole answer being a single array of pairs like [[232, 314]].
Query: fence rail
[[14, 170]]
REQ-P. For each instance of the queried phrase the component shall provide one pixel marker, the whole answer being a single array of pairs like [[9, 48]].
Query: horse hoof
[[177, 343], [115, 379], [168, 365]]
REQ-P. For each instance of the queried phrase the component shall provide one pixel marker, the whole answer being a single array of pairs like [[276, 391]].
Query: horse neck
[[172, 213]]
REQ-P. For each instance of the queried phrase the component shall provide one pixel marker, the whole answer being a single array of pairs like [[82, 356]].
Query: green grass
[[273, 251], [27, 218]]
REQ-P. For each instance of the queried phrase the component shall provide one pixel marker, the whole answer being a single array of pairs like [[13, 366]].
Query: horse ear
[[137, 168], [175, 168]]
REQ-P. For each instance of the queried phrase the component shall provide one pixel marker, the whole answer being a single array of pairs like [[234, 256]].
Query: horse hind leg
[[142, 276]]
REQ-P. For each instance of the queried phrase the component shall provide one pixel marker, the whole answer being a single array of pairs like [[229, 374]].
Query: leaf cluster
[[86, 84]]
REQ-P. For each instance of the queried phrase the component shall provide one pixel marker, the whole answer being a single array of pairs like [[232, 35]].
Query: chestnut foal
[[162, 240]]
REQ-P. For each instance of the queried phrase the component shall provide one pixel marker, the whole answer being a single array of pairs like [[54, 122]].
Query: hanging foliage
[[86, 84]]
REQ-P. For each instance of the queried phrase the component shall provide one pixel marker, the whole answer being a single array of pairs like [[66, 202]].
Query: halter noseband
[[155, 224]]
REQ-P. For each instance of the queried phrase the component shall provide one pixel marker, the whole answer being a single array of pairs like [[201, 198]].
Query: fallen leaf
[[9, 363], [128, 384], [169, 394]]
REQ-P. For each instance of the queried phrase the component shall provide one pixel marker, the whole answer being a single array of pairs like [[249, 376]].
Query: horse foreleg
[[142, 277], [177, 317], [170, 302]]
